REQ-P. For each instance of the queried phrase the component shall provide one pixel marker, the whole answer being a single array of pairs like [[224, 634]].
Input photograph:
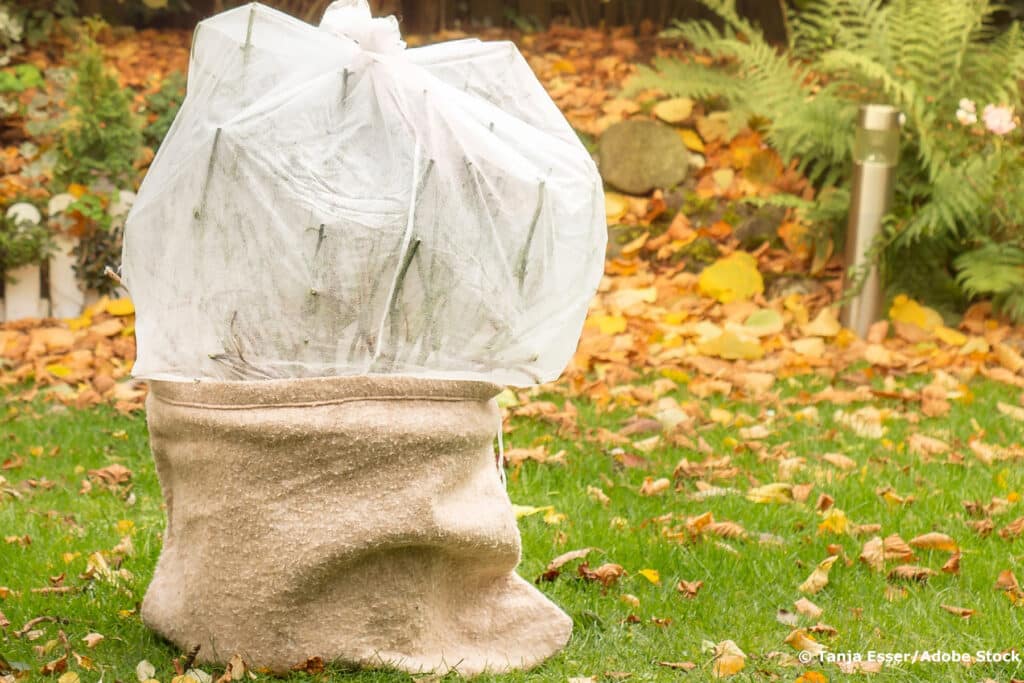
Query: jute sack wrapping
[[355, 519]]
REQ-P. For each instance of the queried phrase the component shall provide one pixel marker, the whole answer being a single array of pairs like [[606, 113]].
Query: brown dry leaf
[[554, 567], [725, 530], [911, 572], [313, 665], [819, 577], [92, 639], [861, 667], [4, 621], [606, 574], [1013, 529], [933, 401], [598, 495], [824, 629], [935, 541], [1016, 412], [654, 487], [679, 666], [959, 611], [689, 589], [1007, 583], [921, 444], [807, 608], [895, 548], [112, 475], [952, 565], [839, 460], [873, 554]]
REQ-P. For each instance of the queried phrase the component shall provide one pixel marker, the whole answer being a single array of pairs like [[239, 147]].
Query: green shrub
[[101, 137], [164, 104], [100, 244], [22, 243], [956, 201]]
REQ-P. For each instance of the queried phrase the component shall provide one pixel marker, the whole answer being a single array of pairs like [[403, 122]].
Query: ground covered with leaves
[[682, 532], [724, 481]]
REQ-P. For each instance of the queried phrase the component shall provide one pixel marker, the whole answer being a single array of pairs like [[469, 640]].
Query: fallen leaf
[[554, 567], [802, 641], [651, 575], [934, 541], [819, 577], [959, 611], [910, 572], [654, 487], [606, 574], [728, 659], [689, 589], [675, 110], [732, 278], [807, 608]]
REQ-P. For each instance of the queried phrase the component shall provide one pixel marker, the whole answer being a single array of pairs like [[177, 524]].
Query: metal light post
[[875, 154]]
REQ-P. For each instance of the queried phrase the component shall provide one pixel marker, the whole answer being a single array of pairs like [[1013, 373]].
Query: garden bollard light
[[875, 154]]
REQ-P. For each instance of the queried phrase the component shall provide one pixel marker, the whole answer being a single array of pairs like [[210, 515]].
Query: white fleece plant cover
[[329, 202]]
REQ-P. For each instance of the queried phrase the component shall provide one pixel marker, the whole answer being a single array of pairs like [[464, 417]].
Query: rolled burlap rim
[[313, 391]]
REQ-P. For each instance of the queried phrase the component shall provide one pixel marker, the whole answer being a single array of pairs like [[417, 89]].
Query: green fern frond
[[991, 269]]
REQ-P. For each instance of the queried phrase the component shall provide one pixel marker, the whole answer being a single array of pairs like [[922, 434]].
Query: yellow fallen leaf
[[563, 66], [553, 518], [771, 493], [906, 310], [764, 322], [692, 140], [69, 677], [527, 510], [835, 521], [651, 575], [731, 346], [728, 659], [675, 110], [611, 324], [121, 307], [58, 370], [800, 640], [733, 278], [615, 206], [950, 336], [812, 347], [824, 325], [819, 577]]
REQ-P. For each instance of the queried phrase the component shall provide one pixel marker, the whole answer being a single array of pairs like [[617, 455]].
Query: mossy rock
[[638, 156]]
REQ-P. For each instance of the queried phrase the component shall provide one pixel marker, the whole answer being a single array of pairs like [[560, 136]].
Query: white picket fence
[[24, 296], [23, 293]]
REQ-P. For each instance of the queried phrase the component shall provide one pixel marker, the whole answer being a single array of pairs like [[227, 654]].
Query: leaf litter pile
[[724, 481]]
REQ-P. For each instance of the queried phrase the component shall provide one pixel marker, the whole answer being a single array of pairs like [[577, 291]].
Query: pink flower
[[999, 119], [967, 113]]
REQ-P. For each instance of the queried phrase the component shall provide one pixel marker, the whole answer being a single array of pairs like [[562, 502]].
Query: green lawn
[[746, 581]]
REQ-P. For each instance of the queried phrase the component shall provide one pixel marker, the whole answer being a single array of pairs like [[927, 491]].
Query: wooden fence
[[52, 289]]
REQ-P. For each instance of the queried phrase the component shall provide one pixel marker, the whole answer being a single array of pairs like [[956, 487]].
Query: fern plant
[[956, 203]]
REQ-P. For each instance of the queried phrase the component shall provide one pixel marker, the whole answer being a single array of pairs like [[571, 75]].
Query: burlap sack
[[356, 519]]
